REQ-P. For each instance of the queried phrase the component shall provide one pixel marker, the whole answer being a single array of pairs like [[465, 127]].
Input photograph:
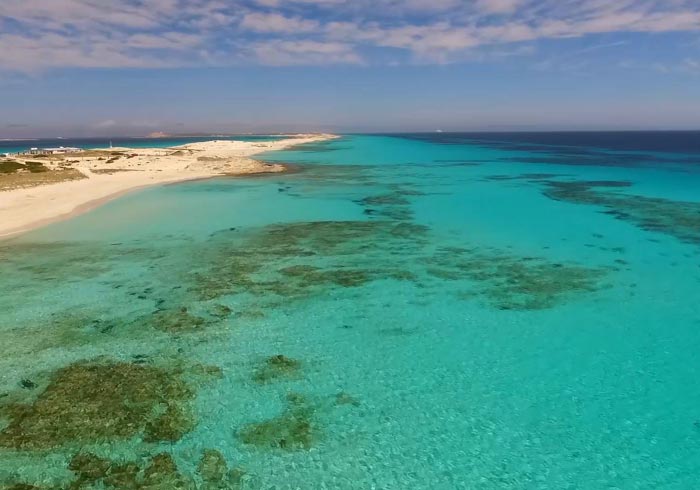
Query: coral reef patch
[[680, 219], [159, 472], [355, 252], [510, 282], [294, 429], [90, 402], [277, 367]]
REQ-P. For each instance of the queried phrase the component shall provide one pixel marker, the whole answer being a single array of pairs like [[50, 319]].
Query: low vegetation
[[17, 177], [10, 166], [18, 173]]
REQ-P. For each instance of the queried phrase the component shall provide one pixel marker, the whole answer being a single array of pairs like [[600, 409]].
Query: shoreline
[[25, 209], [87, 207]]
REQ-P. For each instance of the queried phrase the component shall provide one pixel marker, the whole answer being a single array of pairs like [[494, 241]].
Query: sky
[[97, 67]]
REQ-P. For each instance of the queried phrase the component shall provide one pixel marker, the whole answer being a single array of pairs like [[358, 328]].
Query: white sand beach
[[113, 172]]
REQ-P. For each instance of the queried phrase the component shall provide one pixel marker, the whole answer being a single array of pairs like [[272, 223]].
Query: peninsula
[[38, 189]]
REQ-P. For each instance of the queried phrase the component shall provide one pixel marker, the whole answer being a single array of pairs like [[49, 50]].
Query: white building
[[54, 151]]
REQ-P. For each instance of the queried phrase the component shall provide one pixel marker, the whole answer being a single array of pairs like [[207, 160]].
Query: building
[[54, 151]]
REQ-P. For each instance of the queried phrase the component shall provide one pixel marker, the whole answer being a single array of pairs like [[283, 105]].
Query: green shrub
[[10, 166], [36, 167]]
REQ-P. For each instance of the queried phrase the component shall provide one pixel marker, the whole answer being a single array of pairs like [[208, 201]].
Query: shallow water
[[403, 312]]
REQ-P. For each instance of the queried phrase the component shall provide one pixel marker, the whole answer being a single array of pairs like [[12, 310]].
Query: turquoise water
[[451, 314]]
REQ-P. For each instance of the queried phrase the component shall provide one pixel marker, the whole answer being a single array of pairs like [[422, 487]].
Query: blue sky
[[90, 67]]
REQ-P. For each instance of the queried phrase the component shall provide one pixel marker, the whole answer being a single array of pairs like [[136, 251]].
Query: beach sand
[[113, 172]]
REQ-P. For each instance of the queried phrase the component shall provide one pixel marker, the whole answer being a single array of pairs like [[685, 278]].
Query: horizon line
[[342, 133]]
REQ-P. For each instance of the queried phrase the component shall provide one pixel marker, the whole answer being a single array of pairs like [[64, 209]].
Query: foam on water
[[403, 312]]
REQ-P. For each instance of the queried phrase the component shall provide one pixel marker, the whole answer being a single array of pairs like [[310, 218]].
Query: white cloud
[[498, 6], [44, 34], [280, 53], [23, 53], [277, 23]]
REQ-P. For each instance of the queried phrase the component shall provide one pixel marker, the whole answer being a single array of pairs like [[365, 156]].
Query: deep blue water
[[501, 312], [680, 142]]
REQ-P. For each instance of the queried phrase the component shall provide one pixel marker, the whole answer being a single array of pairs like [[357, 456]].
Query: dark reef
[[294, 429], [92, 402]]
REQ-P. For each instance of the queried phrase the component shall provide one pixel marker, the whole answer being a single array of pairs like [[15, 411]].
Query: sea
[[401, 311]]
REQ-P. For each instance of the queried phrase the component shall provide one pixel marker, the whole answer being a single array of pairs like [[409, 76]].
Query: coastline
[[89, 206], [26, 209]]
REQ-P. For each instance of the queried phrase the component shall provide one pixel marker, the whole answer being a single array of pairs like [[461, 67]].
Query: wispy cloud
[[689, 65], [44, 34], [277, 23], [573, 61], [304, 52]]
